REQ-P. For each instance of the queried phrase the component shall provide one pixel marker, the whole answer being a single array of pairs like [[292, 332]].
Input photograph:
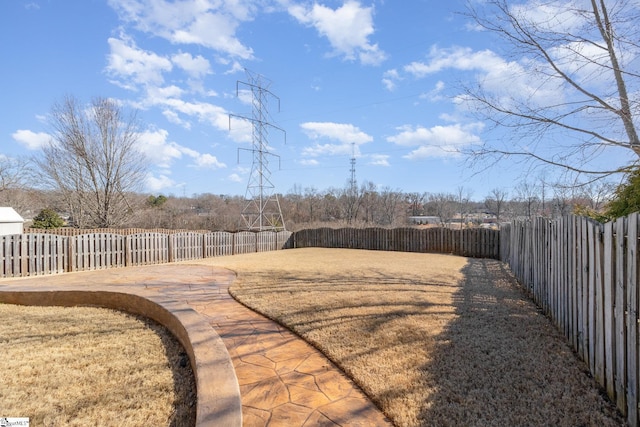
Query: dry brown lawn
[[85, 366], [434, 340]]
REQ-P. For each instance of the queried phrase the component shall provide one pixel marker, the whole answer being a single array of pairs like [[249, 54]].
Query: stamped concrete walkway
[[283, 380]]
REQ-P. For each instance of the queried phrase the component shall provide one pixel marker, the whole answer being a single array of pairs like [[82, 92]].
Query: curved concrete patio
[[249, 370]]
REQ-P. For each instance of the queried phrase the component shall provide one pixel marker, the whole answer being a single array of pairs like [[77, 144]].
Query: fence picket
[[609, 301], [599, 351], [620, 305]]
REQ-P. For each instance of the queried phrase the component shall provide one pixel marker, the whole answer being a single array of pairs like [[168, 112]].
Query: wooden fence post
[[24, 255], [71, 254]]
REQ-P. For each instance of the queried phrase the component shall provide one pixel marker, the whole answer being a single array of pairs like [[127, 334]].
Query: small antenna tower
[[353, 184], [262, 208]]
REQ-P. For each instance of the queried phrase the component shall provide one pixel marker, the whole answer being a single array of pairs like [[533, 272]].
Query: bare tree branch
[[575, 57]]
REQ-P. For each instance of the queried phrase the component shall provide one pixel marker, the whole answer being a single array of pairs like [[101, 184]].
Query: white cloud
[[309, 162], [208, 161], [175, 110], [157, 94], [559, 15], [347, 28], [459, 58], [239, 173], [507, 81], [327, 150], [131, 66], [452, 118], [245, 96], [390, 79], [234, 177], [236, 67], [158, 183], [162, 153], [343, 132], [437, 141], [211, 24], [31, 140], [212, 30], [435, 94], [196, 67], [174, 118], [379, 160], [157, 149]]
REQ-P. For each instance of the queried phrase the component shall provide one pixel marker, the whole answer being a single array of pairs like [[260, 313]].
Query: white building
[[10, 222]]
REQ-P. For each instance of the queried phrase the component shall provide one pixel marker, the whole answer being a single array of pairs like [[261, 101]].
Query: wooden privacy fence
[[584, 275], [36, 254], [473, 242], [48, 253], [123, 231]]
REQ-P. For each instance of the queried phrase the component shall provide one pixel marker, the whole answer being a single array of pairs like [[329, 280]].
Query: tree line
[[367, 206]]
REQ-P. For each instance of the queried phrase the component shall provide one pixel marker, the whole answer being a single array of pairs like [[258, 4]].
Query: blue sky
[[374, 78]]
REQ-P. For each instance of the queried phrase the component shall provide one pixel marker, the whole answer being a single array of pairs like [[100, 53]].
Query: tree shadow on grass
[[501, 362]]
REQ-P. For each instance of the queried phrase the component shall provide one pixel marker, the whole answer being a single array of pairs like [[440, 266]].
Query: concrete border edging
[[218, 392]]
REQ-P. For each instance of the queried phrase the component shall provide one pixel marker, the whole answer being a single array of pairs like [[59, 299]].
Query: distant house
[[422, 220], [10, 222]]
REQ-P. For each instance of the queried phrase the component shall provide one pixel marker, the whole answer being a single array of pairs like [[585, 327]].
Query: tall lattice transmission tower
[[261, 211], [353, 183]]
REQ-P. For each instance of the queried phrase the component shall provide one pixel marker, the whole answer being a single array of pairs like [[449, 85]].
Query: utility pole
[[262, 208]]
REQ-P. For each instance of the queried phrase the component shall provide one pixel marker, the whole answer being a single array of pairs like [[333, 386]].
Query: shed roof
[[8, 214]]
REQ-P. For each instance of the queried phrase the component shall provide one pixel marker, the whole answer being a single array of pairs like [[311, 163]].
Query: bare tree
[[495, 202], [595, 195], [389, 203], [415, 202], [93, 160], [562, 200], [14, 172], [464, 204], [444, 206], [331, 205], [292, 204], [312, 200], [369, 202], [15, 176], [575, 88], [351, 199], [528, 198]]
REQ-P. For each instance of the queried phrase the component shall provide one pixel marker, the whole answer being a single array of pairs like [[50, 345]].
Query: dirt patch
[[80, 366], [434, 340]]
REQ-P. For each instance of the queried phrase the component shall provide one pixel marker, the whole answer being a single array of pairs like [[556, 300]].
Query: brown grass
[[84, 366], [434, 340]]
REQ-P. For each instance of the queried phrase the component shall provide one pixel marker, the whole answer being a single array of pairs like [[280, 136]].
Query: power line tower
[[353, 184], [352, 196], [262, 208]]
